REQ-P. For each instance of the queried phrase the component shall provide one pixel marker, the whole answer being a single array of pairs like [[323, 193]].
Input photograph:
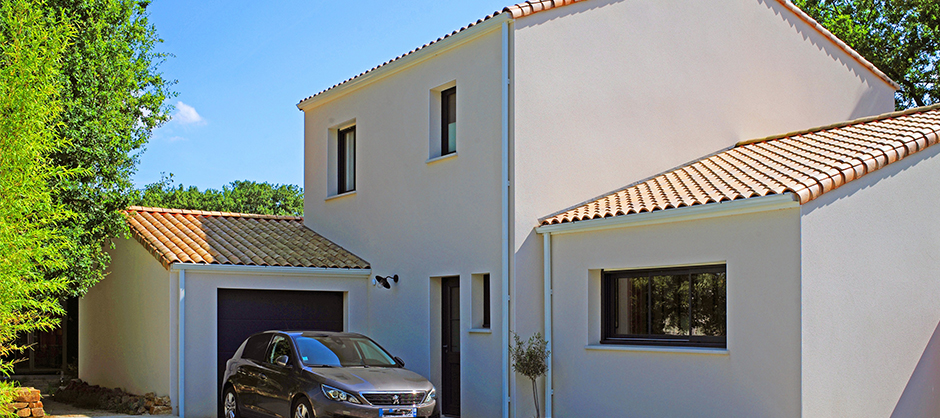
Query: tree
[[238, 196], [31, 44], [900, 37], [113, 97], [530, 359]]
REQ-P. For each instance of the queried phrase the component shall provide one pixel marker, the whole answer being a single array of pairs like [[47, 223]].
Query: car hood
[[364, 379]]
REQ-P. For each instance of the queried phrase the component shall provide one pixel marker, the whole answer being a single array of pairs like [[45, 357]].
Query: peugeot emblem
[[396, 399]]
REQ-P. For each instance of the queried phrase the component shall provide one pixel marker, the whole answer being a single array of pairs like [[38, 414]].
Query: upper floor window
[[346, 165], [675, 306], [449, 121]]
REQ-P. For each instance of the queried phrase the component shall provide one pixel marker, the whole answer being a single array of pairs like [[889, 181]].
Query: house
[[447, 167]]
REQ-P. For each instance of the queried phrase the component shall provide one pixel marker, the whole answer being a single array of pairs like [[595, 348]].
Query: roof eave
[[406, 61], [687, 213], [275, 270]]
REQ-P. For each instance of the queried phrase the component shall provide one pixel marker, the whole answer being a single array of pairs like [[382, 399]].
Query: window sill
[[441, 158], [658, 349], [337, 196], [481, 331]]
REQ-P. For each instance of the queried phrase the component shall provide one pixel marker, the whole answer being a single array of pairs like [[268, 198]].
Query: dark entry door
[[450, 345], [243, 312]]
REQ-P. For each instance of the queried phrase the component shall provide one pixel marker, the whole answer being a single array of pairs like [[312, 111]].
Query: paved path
[[60, 410]]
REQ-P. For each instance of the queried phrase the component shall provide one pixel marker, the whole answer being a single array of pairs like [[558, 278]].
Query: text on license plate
[[398, 412]]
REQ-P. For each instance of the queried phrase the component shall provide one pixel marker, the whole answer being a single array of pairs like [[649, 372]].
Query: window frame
[[609, 284], [341, 167], [445, 120]]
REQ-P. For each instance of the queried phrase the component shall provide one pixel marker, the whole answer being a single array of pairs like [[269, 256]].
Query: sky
[[241, 67]]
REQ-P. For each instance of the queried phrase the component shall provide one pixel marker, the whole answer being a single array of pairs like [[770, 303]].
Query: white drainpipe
[[504, 178], [182, 344], [547, 287]]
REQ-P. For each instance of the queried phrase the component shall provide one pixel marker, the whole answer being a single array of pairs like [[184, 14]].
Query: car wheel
[[230, 404], [302, 409]]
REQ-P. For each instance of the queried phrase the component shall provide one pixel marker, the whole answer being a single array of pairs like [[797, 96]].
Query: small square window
[[346, 164], [678, 306], [449, 121]]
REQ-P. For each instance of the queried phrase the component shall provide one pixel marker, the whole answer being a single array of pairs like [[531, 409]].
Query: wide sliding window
[[449, 121], [346, 151], [674, 306]]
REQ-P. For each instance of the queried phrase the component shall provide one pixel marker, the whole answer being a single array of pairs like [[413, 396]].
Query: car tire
[[302, 409], [230, 404]]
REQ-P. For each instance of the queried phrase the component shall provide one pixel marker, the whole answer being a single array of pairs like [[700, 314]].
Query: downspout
[[182, 344], [504, 178], [547, 270]]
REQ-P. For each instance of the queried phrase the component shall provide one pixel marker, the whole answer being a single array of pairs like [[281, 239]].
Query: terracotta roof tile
[[191, 236], [806, 163], [531, 7]]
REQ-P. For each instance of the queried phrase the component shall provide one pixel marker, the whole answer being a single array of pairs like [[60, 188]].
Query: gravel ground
[[61, 410]]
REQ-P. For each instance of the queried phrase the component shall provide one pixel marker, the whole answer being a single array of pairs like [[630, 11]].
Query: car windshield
[[342, 351]]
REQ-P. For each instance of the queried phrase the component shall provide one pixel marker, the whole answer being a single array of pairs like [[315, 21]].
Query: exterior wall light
[[384, 281]]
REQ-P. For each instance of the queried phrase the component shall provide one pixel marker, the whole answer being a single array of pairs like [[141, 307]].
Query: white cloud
[[187, 115], [175, 138]]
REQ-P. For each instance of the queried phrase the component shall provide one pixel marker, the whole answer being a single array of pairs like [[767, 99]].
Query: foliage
[[238, 196], [31, 43], [113, 97], [900, 37], [530, 359]]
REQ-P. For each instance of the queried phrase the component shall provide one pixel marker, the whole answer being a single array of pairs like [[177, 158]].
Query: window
[[486, 301], [255, 347], [675, 306], [279, 347], [449, 121], [346, 151]]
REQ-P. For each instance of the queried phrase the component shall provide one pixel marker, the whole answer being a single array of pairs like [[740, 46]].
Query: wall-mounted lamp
[[384, 281]]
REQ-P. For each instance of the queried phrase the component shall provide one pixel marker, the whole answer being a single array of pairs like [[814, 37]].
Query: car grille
[[395, 398]]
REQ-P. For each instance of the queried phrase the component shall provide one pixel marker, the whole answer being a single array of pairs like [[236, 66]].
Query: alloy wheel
[[301, 411], [231, 409]]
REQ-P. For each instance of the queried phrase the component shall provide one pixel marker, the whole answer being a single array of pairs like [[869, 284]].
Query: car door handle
[[262, 376]]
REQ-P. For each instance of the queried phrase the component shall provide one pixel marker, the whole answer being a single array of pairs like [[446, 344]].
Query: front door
[[450, 345]]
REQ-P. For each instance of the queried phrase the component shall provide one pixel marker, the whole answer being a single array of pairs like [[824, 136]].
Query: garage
[[190, 286], [243, 312]]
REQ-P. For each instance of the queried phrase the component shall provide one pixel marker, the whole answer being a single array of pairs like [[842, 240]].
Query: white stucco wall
[[609, 92], [418, 219], [871, 294], [124, 325], [758, 376], [202, 392]]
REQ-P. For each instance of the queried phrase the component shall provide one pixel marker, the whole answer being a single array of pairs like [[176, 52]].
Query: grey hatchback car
[[313, 374]]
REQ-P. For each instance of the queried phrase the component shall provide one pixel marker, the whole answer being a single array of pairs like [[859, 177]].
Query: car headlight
[[432, 395], [338, 395]]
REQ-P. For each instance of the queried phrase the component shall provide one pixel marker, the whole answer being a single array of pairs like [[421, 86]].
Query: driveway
[[60, 410]]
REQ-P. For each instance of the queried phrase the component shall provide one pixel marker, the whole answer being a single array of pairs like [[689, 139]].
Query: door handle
[[262, 376]]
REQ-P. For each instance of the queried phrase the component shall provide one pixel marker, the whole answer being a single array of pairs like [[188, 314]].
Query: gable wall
[[416, 219], [608, 92], [871, 294], [124, 330]]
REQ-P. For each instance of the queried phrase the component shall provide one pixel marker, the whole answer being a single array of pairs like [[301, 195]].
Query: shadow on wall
[[820, 42], [921, 396]]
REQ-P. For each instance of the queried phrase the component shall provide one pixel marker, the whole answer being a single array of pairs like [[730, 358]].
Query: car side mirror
[[399, 361], [281, 361]]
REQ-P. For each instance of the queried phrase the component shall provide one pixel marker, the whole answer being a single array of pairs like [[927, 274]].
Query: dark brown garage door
[[243, 312]]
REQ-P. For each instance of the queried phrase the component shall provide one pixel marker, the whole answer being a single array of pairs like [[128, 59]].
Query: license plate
[[398, 412]]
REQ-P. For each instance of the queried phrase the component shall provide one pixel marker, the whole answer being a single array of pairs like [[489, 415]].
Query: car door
[[249, 370], [276, 380]]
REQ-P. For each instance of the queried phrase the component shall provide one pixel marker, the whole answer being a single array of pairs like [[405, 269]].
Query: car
[[314, 374]]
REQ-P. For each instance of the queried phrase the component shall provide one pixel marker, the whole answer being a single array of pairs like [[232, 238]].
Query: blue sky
[[242, 67]]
